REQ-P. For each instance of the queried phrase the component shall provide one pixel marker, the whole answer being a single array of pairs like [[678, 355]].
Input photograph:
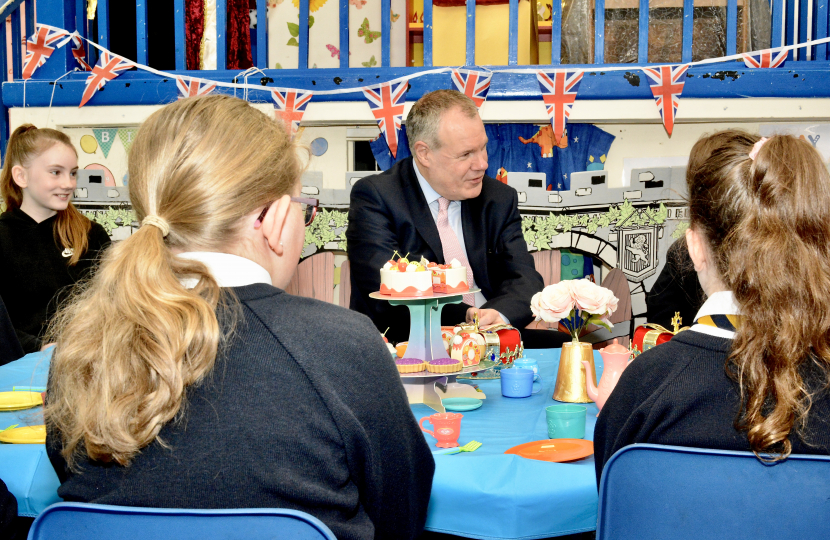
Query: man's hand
[[486, 317]]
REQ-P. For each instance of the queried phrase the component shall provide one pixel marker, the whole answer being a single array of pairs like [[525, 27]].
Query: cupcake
[[410, 365], [444, 365]]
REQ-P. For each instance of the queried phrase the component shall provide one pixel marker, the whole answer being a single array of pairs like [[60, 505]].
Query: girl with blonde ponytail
[[184, 376], [753, 371], [46, 244]]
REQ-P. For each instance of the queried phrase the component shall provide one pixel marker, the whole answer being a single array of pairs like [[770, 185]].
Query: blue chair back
[[80, 521], [654, 491]]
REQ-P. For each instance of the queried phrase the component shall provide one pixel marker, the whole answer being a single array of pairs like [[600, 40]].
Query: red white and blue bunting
[[386, 100]]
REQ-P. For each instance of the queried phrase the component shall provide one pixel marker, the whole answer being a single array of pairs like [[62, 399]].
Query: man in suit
[[440, 202]]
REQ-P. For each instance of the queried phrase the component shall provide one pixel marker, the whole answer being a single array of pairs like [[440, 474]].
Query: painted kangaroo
[[544, 138]]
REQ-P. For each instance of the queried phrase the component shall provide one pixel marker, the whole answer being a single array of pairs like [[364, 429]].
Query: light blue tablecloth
[[484, 494], [25, 468], [489, 495]]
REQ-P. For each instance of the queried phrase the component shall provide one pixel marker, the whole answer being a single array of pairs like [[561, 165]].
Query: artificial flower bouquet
[[576, 304]]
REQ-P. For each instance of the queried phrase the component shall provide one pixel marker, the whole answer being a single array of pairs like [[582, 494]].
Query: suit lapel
[[421, 214], [475, 240]]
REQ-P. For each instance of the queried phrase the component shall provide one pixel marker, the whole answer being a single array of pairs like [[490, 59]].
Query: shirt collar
[[430, 194], [719, 303], [228, 270]]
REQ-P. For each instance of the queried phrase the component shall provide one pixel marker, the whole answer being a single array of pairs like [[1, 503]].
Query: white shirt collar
[[228, 270], [720, 303], [430, 194]]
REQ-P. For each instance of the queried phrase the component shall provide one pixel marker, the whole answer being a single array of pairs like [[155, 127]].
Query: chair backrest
[[80, 521], [345, 284], [654, 491]]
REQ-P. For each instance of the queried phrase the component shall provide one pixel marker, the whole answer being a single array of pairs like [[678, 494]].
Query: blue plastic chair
[[80, 521], [654, 491]]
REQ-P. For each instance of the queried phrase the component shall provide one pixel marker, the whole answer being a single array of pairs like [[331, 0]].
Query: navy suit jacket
[[389, 212]]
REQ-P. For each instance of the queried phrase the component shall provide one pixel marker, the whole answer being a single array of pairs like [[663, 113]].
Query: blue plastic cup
[[528, 363], [518, 383], [566, 421]]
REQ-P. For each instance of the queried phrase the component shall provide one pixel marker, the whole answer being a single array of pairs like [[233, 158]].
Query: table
[[483, 494]]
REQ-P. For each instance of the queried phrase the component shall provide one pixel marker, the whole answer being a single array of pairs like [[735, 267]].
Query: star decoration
[[529, 165], [576, 139]]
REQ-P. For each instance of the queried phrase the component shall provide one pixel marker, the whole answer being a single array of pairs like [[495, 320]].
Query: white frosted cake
[[449, 278], [404, 278]]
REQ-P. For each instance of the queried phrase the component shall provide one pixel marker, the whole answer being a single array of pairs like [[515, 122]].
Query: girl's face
[[48, 182]]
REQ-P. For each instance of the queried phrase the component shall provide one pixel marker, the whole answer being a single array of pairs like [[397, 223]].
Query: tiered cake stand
[[426, 343]]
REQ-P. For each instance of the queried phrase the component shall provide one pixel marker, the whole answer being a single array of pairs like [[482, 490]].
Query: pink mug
[[447, 428]]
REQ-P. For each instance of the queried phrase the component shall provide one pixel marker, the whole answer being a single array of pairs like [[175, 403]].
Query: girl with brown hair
[[184, 376], [46, 244], [753, 371]]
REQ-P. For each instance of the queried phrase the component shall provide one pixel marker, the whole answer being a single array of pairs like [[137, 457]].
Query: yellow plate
[[15, 401], [24, 435]]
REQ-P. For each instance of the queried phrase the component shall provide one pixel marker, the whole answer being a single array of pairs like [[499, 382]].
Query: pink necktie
[[452, 249]]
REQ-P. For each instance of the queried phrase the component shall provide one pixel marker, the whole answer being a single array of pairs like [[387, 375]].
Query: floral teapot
[[615, 358]]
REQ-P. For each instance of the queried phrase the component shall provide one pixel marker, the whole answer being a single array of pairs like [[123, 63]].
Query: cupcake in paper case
[[444, 365], [410, 365]]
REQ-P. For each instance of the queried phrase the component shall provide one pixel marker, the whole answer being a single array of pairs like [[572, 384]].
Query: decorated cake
[[405, 278], [444, 365], [449, 278], [466, 349], [410, 365]]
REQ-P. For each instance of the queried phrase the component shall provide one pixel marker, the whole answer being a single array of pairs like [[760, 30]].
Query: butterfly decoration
[[333, 50], [357, 3], [368, 35], [395, 16], [371, 63]]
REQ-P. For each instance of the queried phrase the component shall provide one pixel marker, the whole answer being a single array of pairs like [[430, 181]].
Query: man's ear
[[273, 224], [697, 249], [20, 177], [422, 153]]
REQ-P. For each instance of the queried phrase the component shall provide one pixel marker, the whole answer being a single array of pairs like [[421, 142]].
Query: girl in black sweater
[[46, 244], [752, 372]]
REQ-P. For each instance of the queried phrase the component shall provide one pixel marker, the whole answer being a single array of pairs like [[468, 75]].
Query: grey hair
[[424, 118]]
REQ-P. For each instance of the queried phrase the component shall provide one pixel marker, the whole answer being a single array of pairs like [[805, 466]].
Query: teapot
[[616, 358]]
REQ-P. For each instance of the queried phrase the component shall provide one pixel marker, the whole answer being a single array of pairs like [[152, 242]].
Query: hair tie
[[158, 222], [754, 153]]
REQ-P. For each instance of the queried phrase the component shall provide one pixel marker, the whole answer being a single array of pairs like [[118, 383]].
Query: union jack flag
[[39, 47], [473, 84], [386, 101], [290, 107], [193, 87], [559, 93], [78, 51], [767, 58], [109, 66], [667, 85]]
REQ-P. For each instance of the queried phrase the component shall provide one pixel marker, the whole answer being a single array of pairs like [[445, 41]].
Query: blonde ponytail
[[136, 338]]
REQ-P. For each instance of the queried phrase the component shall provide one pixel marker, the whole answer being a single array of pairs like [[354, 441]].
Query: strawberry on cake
[[449, 278], [405, 278]]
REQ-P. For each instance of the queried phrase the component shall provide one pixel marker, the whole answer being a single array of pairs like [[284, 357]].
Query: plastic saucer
[[555, 450], [461, 404]]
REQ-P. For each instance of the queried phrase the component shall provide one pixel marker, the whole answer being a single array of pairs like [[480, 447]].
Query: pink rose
[[553, 303], [592, 298]]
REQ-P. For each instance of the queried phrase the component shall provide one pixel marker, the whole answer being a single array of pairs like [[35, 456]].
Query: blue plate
[[461, 404]]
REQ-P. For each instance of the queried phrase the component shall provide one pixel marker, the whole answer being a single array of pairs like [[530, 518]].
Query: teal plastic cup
[[566, 421]]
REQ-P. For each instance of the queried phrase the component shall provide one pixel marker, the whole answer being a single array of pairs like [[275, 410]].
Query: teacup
[[446, 426], [566, 421], [518, 382], [528, 363]]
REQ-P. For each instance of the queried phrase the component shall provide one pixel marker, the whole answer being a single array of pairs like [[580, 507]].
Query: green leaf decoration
[[277, 66], [293, 42], [310, 20], [372, 62], [8, 428], [294, 29]]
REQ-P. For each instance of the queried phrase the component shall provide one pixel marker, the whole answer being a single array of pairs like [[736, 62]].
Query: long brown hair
[[130, 345], [767, 222], [26, 143]]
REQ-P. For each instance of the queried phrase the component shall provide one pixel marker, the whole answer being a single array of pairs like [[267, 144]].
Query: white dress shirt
[[454, 216], [228, 270], [720, 303]]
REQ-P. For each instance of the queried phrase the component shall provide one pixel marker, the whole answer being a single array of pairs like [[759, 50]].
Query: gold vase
[[570, 380]]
